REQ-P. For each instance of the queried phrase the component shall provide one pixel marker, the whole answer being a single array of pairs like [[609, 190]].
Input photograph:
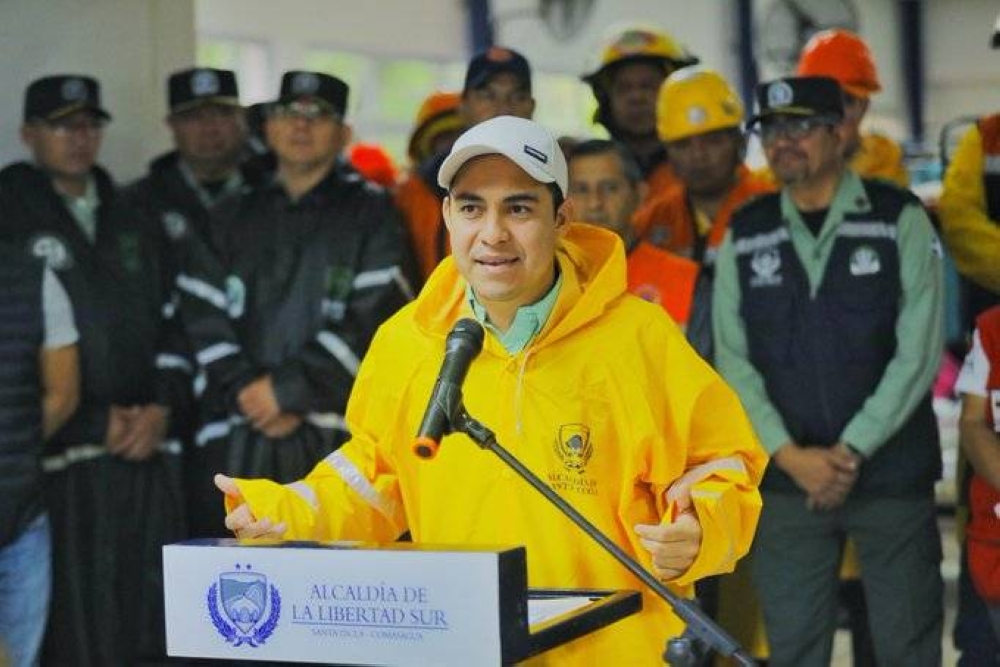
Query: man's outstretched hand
[[674, 546], [241, 520]]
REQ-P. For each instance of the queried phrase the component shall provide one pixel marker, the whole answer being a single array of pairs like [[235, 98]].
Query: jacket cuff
[[277, 502], [728, 518]]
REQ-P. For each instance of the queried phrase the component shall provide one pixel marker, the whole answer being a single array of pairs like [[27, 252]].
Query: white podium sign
[[338, 603]]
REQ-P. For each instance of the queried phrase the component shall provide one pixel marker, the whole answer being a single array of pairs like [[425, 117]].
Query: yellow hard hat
[[695, 100], [639, 43]]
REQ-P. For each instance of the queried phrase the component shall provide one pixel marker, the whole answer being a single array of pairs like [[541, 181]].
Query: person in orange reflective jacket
[[606, 187], [671, 465], [699, 117], [439, 122]]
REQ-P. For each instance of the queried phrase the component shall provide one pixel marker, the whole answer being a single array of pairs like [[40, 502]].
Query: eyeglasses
[[793, 129], [65, 128], [308, 110]]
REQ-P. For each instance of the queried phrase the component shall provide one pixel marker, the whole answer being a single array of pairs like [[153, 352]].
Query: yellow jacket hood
[[591, 261]]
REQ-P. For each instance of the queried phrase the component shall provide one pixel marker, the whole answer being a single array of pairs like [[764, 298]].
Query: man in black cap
[[111, 471], [305, 269], [207, 166], [497, 83], [210, 140], [827, 320]]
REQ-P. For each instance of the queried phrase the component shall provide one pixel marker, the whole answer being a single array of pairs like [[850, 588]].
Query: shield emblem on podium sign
[[244, 597]]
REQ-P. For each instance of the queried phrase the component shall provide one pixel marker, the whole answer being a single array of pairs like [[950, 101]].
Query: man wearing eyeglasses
[[282, 308], [827, 322], [112, 470]]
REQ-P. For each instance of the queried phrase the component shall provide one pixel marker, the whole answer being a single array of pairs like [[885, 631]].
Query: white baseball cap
[[526, 143]]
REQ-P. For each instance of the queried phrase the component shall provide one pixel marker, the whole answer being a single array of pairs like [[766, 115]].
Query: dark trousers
[[796, 560], [973, 634]]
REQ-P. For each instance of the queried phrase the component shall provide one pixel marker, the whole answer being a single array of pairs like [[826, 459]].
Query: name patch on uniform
[[751, 244], [867, 230]]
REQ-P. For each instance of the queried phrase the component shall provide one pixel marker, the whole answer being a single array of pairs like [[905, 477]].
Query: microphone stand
[[683, 651]]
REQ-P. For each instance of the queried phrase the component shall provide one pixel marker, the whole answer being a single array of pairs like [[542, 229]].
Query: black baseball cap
[[316, 85], [52, 97], [194, 87], [495, 60], [799, 96]]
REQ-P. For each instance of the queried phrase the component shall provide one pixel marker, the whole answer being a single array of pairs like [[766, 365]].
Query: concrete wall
[[129, 46]]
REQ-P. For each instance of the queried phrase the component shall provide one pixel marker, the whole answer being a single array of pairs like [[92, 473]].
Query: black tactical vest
[[821, 357], [22, 333]]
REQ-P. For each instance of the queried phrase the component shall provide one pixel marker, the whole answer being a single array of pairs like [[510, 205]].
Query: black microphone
[[463, 344]]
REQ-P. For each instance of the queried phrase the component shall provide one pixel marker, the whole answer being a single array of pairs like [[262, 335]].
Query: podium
[[370, 604]]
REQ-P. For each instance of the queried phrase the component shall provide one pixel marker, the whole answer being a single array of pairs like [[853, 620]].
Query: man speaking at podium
[[594, 390]]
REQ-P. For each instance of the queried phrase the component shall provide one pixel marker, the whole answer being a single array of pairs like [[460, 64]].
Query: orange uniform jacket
[[662, 181], [666, 222], [661, 277], [421, 209]]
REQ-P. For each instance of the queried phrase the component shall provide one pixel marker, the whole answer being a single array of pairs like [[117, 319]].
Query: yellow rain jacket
[[607, 367], [972, 237]]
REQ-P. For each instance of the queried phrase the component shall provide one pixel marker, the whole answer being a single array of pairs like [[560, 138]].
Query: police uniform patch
[[865, 261], [73, 90], [305, 83], [53, 250], [765, 263], [204, 83], [779, 94], [174, 224]]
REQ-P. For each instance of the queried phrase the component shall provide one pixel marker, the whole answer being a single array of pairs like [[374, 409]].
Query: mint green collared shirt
[[84, 209], [528, 320], [919, 327]]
